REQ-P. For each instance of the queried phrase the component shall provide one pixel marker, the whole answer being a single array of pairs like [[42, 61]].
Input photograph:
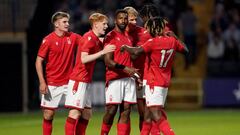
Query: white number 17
[[163, 62]]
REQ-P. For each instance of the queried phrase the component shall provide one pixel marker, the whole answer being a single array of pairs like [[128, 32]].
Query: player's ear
[[56, 24]]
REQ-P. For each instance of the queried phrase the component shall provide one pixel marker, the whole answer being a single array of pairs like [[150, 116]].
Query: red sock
[[81, 126], [70, 126], [123, 129], [146, 128], [47, 127], [105, 129], [165, 127], [129, 127], [155, 129]]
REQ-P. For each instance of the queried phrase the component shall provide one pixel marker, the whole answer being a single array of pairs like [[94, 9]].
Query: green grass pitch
[[197, 122]]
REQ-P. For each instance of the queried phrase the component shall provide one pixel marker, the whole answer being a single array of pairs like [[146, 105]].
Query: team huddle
[[138, 71]]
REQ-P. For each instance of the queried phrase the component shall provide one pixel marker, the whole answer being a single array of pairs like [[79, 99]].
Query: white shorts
[[156, 96], [78, 96], [52, 99], [141, 93], [120, 90]]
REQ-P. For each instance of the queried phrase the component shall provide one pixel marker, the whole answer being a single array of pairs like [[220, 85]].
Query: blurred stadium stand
[[26, 22]]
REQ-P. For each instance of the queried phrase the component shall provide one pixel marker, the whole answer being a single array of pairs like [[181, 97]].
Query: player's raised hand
[[109, 48], [43, 88]]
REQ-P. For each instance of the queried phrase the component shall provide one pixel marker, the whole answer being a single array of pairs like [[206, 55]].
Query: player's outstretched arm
[[108, 58], [132, 50], [85, 57], [170, 33]]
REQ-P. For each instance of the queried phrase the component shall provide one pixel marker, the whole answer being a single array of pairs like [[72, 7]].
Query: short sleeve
[[87, 44], [179, 46], [44, 48], [147, 46]]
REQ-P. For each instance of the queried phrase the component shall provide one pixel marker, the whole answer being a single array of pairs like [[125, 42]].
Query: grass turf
[[200, 122]]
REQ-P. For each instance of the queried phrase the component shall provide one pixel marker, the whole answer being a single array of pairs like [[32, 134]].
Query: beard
[[122, 27]]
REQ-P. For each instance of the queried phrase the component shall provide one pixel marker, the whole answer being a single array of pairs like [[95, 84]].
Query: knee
[[75, 114], [48, 114], [87, 113], [111, 112]]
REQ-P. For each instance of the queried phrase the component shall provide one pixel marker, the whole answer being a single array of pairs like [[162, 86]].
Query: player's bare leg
[[108, 118], [83, 121], [48, 116], [147, 123], [141, 107]]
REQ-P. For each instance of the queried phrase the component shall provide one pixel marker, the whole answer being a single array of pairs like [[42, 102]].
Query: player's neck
[[59, 33], [96, 32]]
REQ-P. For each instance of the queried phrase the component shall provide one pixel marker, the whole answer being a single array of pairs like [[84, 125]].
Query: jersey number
[[163, 62]]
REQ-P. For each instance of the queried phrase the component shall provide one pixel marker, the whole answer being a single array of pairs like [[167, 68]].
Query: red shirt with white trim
[[161, 51], [91, 44], [118, 39], [58, 52]]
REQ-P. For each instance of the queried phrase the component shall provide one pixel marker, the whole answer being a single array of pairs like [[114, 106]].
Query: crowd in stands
[[223, 48]]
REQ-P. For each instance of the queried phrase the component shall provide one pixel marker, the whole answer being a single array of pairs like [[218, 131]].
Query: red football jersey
[[91, 44], [58, 53], [140, 36], [161, 51], [118, 39]]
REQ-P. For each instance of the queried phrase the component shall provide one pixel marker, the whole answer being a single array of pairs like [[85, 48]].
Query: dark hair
[[155, 26], [149, 11], [120, 11]]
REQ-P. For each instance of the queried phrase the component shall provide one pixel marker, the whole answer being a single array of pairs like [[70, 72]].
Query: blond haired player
[[57, 50], [78, 98]]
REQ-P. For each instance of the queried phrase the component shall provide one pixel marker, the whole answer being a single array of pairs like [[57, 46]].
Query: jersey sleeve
[[44, 48], [87, 44], [147, 46], [179, 46]]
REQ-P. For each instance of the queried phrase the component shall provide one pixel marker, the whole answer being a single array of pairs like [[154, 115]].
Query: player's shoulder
[[90, 36], [111, 34], [73, 35]]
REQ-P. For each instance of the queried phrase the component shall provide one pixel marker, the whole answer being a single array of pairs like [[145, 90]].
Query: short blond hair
[[97, 17], [131, 11], [59, 15]]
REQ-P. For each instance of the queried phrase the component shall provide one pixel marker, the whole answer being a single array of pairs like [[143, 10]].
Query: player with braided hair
[[159, 70]]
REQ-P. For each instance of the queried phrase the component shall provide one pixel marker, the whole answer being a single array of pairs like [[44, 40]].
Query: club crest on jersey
[[89, 38], [56, 43], [118, 38], [69, 41]]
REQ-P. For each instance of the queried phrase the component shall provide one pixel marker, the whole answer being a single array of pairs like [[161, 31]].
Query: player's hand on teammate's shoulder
[[43, 88]]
